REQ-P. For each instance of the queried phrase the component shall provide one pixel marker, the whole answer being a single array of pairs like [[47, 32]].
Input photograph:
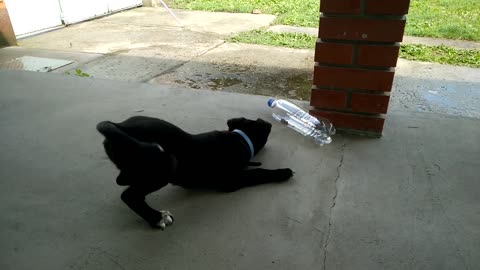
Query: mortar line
[[334, 202]]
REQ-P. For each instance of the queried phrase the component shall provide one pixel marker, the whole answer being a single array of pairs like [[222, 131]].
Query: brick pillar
[[7, 36], [355, 58]]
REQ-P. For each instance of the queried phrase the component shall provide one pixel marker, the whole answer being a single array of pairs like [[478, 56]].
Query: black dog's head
[[257, 130]]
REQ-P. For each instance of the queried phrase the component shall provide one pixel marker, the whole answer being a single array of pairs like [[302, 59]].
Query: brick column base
[[355, 58]]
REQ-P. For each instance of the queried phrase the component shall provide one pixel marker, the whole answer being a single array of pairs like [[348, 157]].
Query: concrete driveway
[[147, 45], [406, 201]]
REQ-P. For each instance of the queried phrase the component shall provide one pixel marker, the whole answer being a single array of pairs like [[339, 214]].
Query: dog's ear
[[236, 123]]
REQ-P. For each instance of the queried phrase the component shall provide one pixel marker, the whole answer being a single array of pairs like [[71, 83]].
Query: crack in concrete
[[334, 202], [113, 260], [172, 69], [126, 50], [294, 220], [437, 199], [83, 64], [313, 227]]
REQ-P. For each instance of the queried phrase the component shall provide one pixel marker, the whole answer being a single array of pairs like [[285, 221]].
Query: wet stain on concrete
[[282, 73], [220, 83], [189, 82], [267, 81], [300, 86]]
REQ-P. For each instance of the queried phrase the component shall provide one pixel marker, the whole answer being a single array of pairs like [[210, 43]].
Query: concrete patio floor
[[406, 201]]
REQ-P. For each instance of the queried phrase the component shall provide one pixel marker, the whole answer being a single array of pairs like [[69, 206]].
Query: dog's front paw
[[284, 174], [166, 220]]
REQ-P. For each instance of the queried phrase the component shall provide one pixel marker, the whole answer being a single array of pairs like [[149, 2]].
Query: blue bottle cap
[[270, 102]]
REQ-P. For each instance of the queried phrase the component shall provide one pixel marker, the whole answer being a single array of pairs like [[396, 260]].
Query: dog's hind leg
[[134, 197], [127, 152]]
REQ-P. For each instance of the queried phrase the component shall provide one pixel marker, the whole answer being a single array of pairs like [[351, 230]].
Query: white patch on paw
[[160, 147], [167, 219]]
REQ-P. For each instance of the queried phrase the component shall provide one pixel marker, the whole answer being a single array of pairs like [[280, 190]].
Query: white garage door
[[80, 10], [29, 16], [115, 5]]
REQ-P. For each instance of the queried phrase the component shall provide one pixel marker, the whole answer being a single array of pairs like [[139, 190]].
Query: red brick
[[378, 55], [334, 53], [352, 121], [386, 7], [341, 6], [364, 29], [352, 78], [328, 99], [369, 103]]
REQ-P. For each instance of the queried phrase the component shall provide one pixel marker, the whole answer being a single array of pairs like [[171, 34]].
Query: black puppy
[[150, 153]]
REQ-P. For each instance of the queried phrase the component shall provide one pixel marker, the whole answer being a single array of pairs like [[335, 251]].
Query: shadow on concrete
[[444, 95], [264, 80]]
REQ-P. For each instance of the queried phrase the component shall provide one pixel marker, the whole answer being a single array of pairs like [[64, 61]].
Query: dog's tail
[[132, 155]]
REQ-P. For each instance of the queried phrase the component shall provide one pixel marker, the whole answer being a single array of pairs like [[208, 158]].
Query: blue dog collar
[[245, 137]]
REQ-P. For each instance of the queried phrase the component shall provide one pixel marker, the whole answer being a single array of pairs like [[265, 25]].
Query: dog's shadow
[[189, 202], [205, 205]]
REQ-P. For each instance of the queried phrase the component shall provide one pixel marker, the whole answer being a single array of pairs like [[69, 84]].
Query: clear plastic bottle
[[290, 114]]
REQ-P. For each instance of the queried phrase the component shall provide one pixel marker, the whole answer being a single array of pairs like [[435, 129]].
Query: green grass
[[453, 19], [288, 12], [441, 54], [437, 54], [291, 40]]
